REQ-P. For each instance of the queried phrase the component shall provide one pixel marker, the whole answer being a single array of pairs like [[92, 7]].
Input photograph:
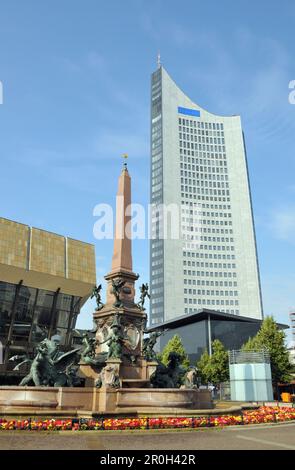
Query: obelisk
[[120, 300], [122, 255]]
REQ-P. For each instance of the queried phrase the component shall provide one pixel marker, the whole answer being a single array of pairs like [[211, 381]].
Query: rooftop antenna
[[159, 60]]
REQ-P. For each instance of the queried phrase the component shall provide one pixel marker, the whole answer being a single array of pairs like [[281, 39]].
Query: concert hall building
[[45, 279]]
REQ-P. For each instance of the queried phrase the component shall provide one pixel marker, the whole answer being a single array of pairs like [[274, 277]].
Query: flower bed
[[268, 414], [262, 415], [125, 423], [165, 423]]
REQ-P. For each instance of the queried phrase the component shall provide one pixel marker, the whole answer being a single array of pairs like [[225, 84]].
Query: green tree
[[175, 345], [219, 366], [203, 366], [214, 369], [271, 339], [250, 345]]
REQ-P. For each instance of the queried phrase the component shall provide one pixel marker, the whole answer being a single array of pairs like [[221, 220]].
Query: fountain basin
[[99, 401]]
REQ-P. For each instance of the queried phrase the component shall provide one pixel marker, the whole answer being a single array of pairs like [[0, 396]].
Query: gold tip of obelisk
[[125, 156]]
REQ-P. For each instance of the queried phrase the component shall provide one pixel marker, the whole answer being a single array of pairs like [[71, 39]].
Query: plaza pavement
[[259, 437]]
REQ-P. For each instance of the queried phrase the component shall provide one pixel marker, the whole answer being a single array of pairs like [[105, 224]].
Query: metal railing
[[248, 357]]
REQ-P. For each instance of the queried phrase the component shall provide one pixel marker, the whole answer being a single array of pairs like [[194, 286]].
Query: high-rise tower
[[198, 164]]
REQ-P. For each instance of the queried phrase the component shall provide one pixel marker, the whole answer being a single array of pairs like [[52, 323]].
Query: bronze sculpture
[[144, 292], [115, 340], [49, 367], [117, 285], [88, 354], [148, 346], [96, 294], [52, 368], [170, 376]]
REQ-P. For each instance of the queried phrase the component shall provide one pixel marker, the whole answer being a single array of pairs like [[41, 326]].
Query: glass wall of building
[[233, 334], [194, 338], [28, 315]]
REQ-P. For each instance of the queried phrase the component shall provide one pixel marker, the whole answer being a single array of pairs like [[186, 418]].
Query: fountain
[[118, 366]]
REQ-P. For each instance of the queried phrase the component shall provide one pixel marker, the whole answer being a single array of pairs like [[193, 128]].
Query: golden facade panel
[[47, 253], [80, 261], [14, 239], [45, 260]]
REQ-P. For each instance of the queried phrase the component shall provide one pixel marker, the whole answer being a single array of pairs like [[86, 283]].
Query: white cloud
[[259, 93], [283, 224]]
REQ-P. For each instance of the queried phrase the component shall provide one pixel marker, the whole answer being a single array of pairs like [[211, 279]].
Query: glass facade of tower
[[198, 163], [210, 277], [157, 243]]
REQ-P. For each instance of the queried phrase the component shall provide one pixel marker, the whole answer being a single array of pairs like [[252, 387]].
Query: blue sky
[[76, 79]]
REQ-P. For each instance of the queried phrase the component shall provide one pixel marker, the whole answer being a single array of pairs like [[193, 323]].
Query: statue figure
[[117, 285], [115, 340], [149, 344], [40, 366], [72, 375], [191, 378], [170, 376], [144, 292], [89, 347], [49, 367], [88, 354], [109, 377], [54, 347], [96, 294]]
